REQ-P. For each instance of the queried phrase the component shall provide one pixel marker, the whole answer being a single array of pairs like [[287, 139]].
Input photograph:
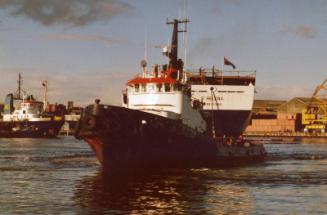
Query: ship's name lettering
[[227, 91], [218, 98], [210, 104]]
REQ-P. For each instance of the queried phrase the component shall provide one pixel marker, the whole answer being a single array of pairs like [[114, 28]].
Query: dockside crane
[[314, 117]]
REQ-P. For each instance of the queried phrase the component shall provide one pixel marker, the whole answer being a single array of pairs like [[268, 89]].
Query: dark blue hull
[[229, 123], [30, 129], [126, 139]]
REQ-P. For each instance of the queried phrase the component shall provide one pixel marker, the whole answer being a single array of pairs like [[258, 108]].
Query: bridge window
[[143, 88], [151, 88], [159, 87], [137, 87], [167, 87], [177, 87]]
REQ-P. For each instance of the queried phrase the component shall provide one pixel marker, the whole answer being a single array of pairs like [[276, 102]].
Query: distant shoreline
[[295, 138], [285, 135]]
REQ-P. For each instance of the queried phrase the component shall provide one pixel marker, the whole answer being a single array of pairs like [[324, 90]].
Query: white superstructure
[[224, 97], [29, 110], [164, 99]]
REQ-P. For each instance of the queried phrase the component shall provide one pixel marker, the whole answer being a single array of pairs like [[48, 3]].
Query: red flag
[[228, 63]]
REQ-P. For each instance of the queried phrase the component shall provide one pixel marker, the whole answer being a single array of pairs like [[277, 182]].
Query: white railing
[[221, 73]]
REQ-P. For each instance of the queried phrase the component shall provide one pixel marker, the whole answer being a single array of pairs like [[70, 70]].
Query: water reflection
[[61, 176], [164, 192]]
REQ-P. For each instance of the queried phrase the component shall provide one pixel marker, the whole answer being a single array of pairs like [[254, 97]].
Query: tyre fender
[[89, 122]]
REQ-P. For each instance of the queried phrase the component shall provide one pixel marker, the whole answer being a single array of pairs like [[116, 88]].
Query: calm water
[[61, 176]]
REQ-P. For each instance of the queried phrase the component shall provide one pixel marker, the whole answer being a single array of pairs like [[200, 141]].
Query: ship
[[173, 117], [25, 117]]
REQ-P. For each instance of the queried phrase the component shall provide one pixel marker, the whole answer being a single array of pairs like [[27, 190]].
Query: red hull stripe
[[97, 146]]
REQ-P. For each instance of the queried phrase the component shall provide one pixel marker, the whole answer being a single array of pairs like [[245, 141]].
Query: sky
[[89, 49]]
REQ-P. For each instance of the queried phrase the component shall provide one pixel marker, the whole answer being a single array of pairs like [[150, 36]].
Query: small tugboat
[[24, 116], [174, 118]]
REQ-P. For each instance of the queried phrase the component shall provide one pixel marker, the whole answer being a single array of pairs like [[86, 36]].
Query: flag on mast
[[228, 63]]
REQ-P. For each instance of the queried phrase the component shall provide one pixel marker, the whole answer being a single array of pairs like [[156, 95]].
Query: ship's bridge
[[159, 94]]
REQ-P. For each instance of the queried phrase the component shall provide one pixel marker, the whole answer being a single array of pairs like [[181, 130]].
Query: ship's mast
[[45, 101], [19, 93], [173, 54]]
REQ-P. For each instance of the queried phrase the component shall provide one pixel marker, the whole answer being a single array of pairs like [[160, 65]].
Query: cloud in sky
[[302, 31], [212, 49], [80, 37], [68, 12], [206, 46], [305, 32]]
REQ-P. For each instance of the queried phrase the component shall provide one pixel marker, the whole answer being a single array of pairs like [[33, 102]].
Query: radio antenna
[[146, 44], [20, 92], [185, 33]]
